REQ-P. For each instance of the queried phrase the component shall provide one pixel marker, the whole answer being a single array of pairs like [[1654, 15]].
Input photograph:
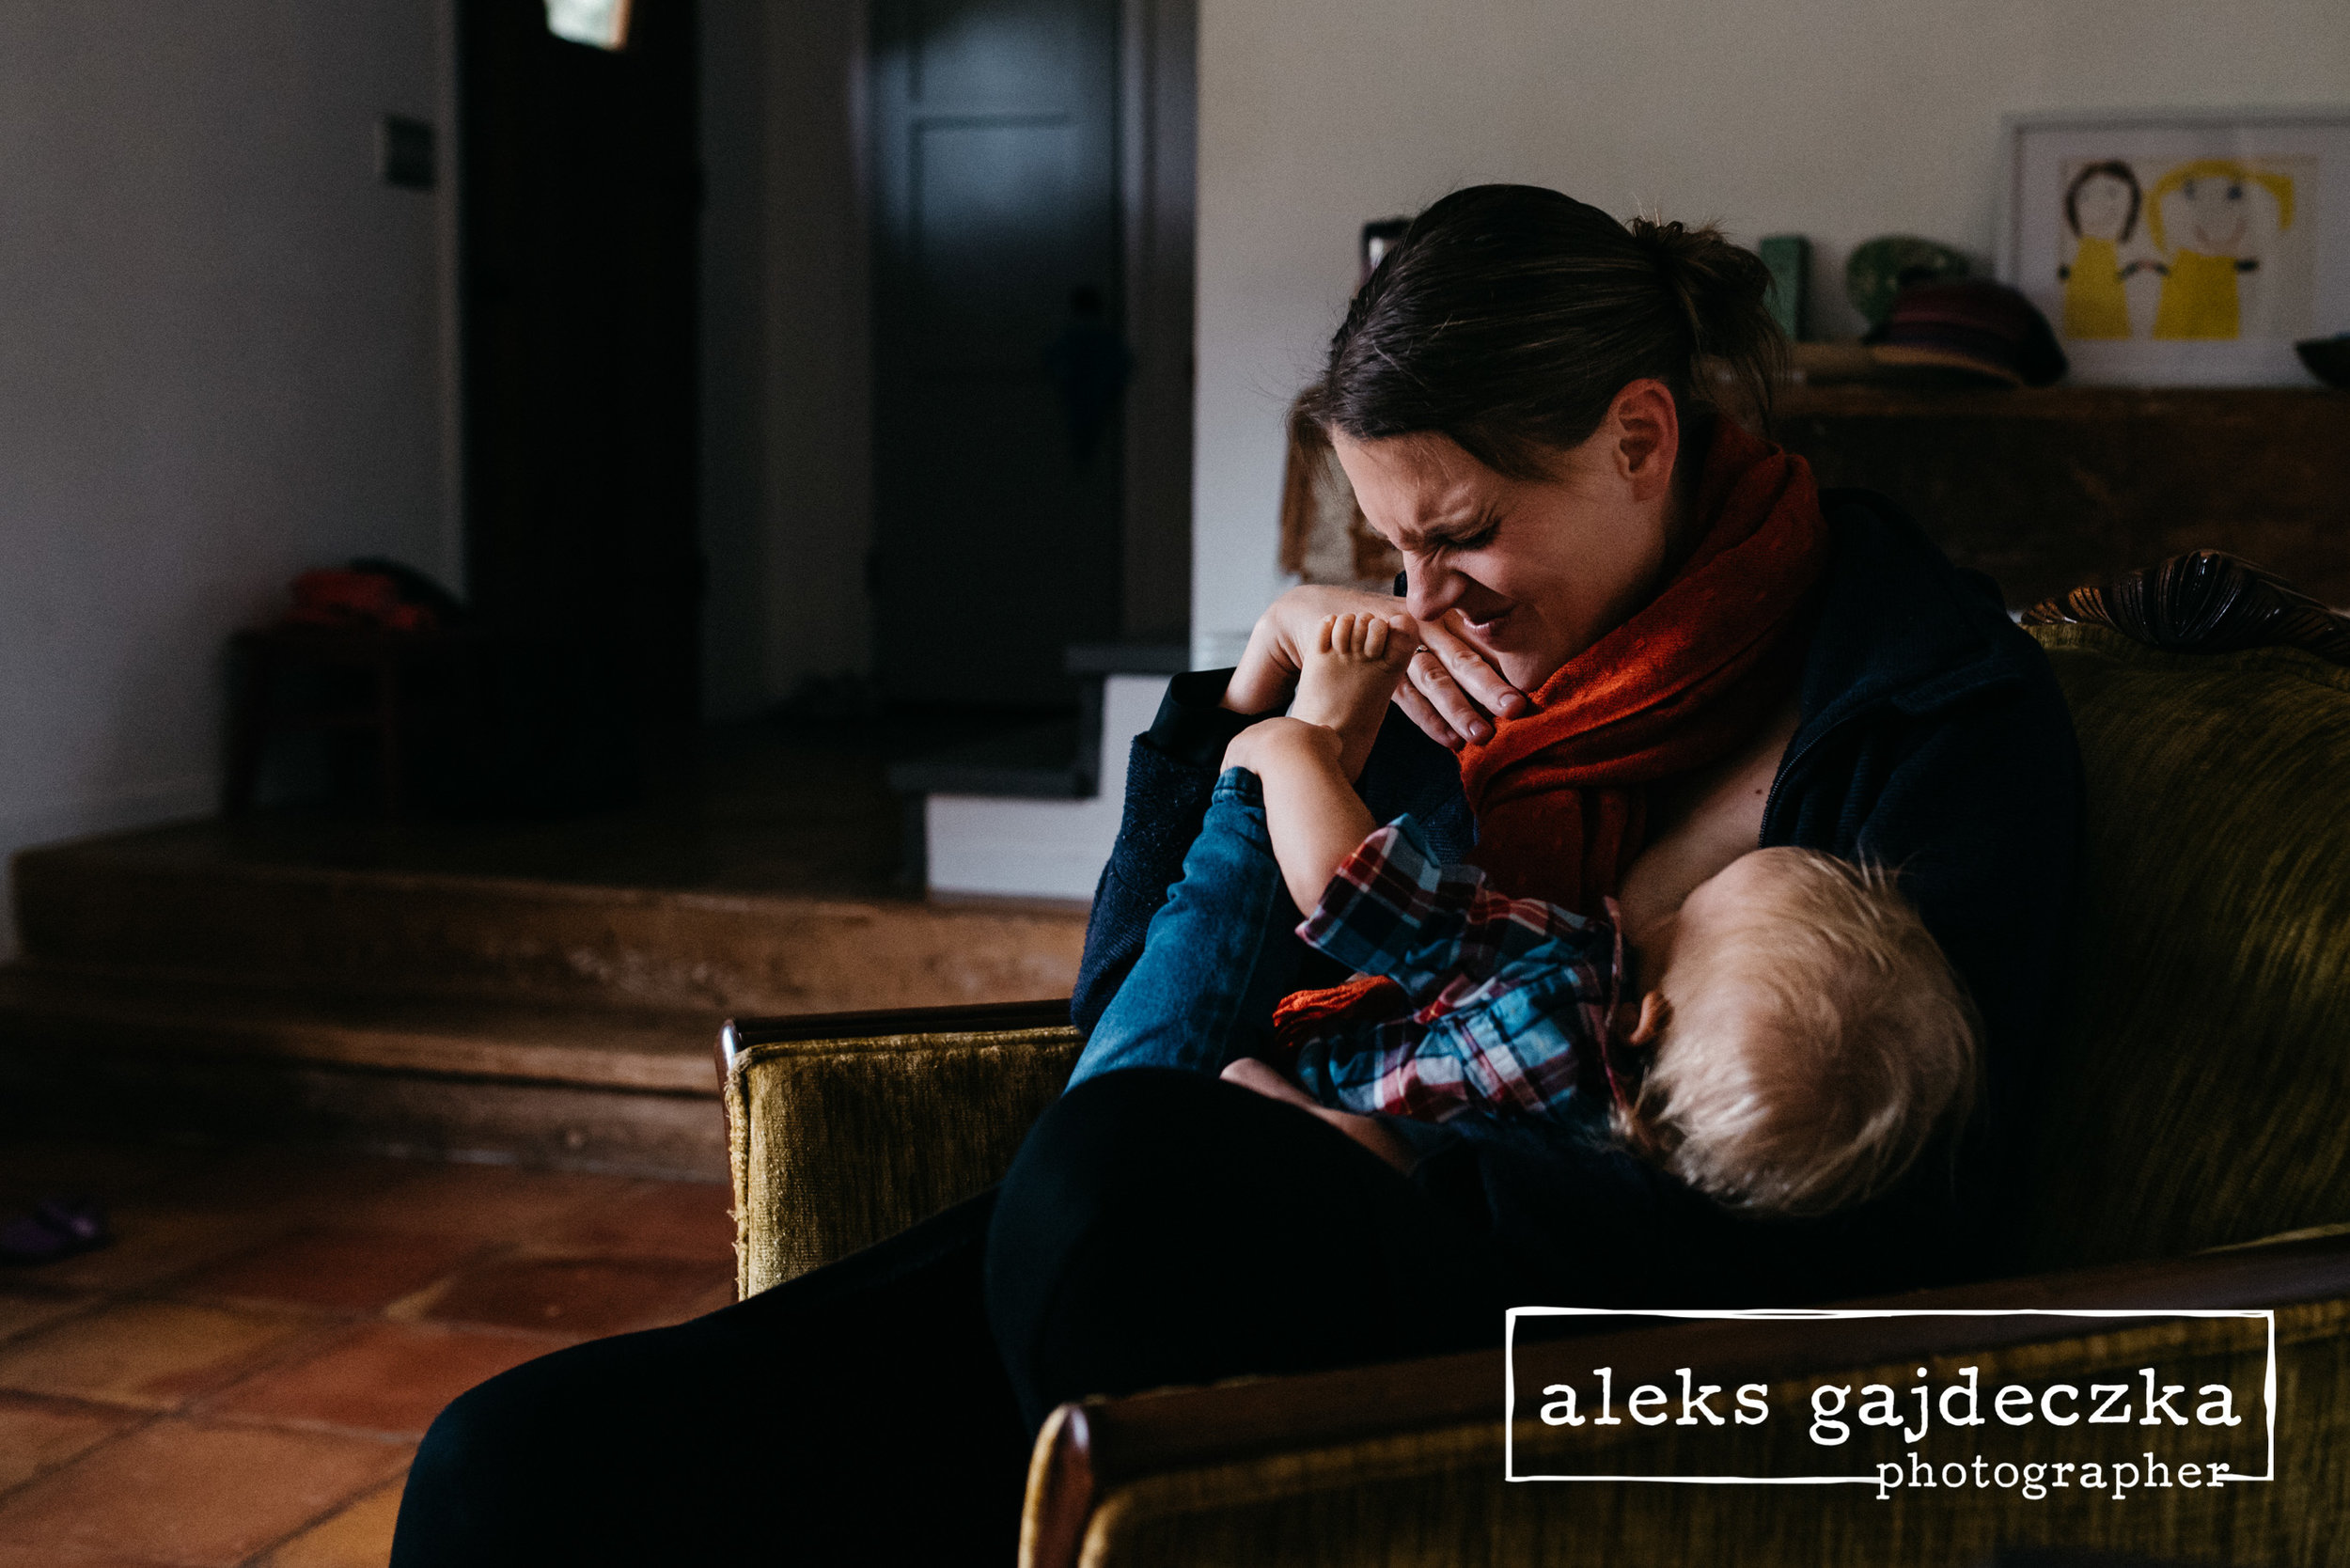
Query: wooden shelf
[[2049, 489], [1867, 400]]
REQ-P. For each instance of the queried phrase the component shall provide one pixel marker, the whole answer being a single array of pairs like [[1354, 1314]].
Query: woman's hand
[[1268, 669], [1448, 689], [1450, 692]]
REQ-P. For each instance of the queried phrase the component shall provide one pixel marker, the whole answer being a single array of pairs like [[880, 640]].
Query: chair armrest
[[844, 1128], [1109, 1475]]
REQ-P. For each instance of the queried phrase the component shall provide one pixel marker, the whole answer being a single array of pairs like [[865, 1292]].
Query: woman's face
[[1538, 569]]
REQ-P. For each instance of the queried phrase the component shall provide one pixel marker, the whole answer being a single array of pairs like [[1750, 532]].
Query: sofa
[[2196, 1157]]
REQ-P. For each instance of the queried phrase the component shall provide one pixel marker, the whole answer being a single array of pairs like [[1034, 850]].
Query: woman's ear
[[1647, 426]]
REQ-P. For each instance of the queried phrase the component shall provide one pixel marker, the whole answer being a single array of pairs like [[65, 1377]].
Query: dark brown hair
[[2112, 168], [1509, 317]]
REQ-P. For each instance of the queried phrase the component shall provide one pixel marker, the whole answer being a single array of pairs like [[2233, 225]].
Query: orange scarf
[[1561, 792]]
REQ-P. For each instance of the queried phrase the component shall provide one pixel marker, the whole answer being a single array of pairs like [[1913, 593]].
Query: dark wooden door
[[997, 345], [580, 204]]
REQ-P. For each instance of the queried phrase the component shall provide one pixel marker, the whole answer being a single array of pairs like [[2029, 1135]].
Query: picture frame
[[2181, 247]]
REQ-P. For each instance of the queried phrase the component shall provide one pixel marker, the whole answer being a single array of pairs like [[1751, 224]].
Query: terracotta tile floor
[[241, 1377]]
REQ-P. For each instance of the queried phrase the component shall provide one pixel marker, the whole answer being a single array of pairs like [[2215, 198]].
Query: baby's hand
[[1250, 1074], [1349, 670]]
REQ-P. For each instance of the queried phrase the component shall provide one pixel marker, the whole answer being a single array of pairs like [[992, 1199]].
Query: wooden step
[[560, 1084], [596, 1047], [141, 904]]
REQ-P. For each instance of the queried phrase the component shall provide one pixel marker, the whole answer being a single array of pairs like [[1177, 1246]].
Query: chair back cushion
[[2198, 1086]]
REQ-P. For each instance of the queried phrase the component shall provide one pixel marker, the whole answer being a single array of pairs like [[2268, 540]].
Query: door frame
[[1158, 197]]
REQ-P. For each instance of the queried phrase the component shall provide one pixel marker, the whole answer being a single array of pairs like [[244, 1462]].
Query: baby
[[1797, 1038]]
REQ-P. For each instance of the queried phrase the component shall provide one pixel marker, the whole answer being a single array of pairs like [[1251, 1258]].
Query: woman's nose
[[1431, 588]]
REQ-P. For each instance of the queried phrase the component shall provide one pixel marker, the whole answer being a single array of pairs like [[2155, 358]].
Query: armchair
[[2197, 1155]]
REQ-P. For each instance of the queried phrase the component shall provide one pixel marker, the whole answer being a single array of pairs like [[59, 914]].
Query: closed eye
[[1483, 536]]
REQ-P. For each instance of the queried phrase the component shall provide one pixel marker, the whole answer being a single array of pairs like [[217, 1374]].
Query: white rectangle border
[[1509, 1369], [2255, 362]]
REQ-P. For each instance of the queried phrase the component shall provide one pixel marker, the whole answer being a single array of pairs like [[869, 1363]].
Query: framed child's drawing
[[2182, 248]]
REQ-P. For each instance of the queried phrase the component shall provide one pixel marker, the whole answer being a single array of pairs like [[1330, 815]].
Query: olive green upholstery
[[1436, 1496], [838, 1143], [2197, 1094]]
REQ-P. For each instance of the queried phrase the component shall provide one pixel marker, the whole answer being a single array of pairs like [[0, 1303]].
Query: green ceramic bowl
[[1879, 269]]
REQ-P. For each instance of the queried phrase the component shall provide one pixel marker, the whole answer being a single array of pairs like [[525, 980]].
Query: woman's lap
[[1159, 1227]]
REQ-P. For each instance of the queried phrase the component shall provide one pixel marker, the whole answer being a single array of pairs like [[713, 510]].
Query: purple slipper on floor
[[56, 1227]]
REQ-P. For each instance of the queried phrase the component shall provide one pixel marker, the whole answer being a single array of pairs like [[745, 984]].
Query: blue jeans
[[1220, 954]]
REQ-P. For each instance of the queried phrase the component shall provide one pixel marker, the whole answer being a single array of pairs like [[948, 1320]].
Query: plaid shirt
[[1511, 997]]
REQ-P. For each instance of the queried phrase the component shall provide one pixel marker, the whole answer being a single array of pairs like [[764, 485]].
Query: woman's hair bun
[[1723, 292]]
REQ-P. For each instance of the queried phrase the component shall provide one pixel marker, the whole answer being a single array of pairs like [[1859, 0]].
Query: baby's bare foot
[[1349, 674]]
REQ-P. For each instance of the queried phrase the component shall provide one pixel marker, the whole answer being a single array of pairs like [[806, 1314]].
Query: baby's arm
[[1314, 815]]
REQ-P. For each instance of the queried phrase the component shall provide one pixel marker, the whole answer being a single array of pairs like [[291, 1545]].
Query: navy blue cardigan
[[1934, 739]]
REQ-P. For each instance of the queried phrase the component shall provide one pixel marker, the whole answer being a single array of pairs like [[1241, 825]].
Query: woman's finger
[[1428, 673], [1432, 723], [1483, 684]]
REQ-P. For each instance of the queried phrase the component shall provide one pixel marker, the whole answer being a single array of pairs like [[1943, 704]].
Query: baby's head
[[1811, 1040]]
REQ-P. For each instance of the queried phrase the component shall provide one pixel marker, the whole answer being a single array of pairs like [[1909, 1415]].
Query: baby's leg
[[1219, 954], [1349, 674]]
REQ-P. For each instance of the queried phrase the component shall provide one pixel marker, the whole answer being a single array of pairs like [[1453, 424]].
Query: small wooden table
[[392, 657]]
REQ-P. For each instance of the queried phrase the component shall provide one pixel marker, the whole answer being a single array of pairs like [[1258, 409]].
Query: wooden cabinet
[[2048, 489]]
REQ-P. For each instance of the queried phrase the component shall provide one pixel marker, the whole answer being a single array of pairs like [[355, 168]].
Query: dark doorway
[[999, 336], [581, 199]]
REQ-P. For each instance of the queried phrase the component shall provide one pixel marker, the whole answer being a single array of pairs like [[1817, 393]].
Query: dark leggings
[[1158, 1227]]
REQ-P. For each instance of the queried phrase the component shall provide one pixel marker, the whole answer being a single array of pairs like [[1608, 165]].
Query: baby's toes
[[1374, 637]]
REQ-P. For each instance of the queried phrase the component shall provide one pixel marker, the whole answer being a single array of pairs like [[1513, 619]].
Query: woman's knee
[[493, 1479], [534, 1465]]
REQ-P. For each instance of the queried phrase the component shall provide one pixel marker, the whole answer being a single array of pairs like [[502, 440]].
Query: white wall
[[991, 847], [223, 351], [787, 514], [1837, 118]]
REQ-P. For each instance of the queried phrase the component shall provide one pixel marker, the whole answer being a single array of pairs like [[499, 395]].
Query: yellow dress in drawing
[[2095, 302], [2198, 298], [2220, 243]]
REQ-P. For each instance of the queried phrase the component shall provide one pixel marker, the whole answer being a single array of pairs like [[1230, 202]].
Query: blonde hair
[[2277, 185], [1814, 1046]]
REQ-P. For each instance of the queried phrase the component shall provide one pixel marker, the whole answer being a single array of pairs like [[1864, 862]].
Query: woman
[[1651, 644], [2101, 207]]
